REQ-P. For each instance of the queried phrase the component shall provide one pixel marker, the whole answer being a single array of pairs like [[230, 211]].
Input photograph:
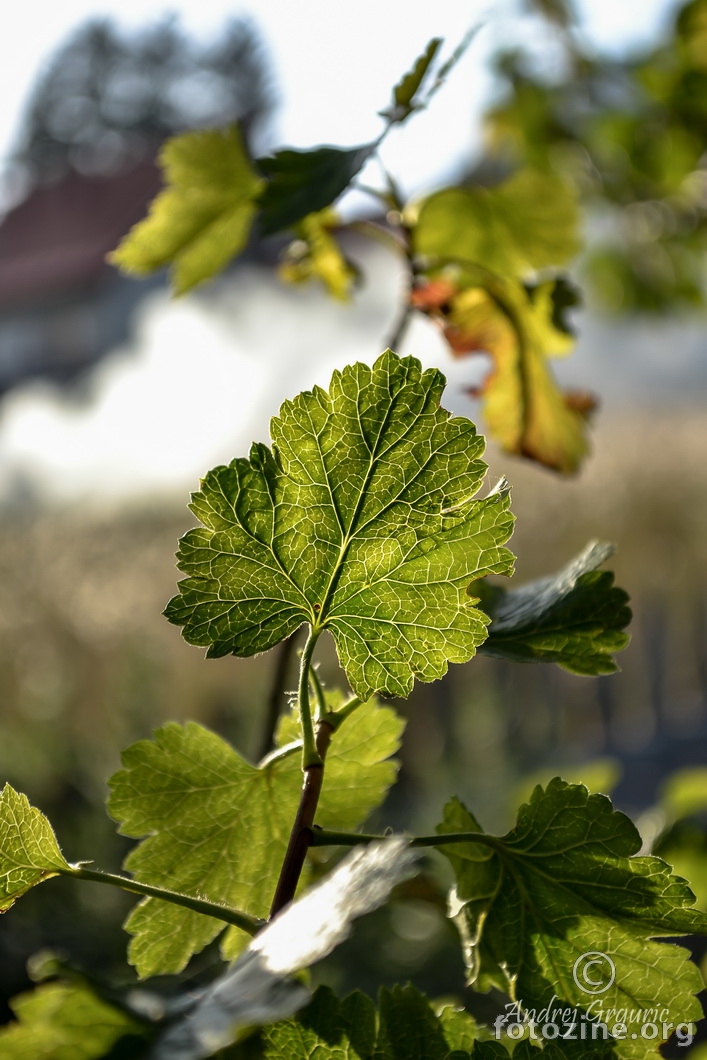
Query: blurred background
[[116, 397]]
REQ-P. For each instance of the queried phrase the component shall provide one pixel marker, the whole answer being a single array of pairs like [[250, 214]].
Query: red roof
[[55, 242]]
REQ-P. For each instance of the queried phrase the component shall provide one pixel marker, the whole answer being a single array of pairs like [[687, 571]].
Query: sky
[[335, 65]]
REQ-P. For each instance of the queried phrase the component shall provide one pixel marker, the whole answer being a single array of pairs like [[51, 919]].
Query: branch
[[301, 834], [247, 923]]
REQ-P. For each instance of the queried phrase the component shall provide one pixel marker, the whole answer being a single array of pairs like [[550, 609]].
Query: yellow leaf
[[315, 254], [203, 217]]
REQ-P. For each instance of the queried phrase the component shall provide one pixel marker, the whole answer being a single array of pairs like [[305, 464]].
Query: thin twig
[[276, 695]]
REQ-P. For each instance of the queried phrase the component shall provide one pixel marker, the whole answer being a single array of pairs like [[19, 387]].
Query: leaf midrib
[[374, 457]]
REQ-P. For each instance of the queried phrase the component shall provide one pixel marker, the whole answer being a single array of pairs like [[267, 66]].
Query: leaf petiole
[[318, 693], [336, 717], [310, 754], [248, 923], [323, 837]]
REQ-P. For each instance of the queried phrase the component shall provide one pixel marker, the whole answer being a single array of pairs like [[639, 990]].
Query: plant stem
[[322, 837], [247, 923], [301, 834], [314, 749], [277, 691]]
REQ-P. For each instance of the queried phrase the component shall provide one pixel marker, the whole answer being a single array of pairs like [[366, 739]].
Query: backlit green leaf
[[362, 520], [203, 217], [683, 842], [528, 222], [29, 852], [66, 1021], [565, 883], [218, 826], [404, 1028], [409, 1029], [304, 182], [574, 618], [328, 1027]]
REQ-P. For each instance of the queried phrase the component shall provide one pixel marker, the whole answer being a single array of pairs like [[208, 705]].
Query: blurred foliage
[[685, 793], [630, 134], [68, 1020], [484, 263], [316, 254]]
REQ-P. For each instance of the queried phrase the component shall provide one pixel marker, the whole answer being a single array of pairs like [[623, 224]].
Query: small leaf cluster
[[485, 264]]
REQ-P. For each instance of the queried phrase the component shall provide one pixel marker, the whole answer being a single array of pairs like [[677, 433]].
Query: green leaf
[[528, 222], [574, 618], [410, 1030], [563, 884], [404, 93], [315, 254], [328, 1027], [361, 520], [485, 1050], [65, 1021], [218, 827], [29, 852], [203, 217], [406, 1028], [459, 1028], [304, 182]]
